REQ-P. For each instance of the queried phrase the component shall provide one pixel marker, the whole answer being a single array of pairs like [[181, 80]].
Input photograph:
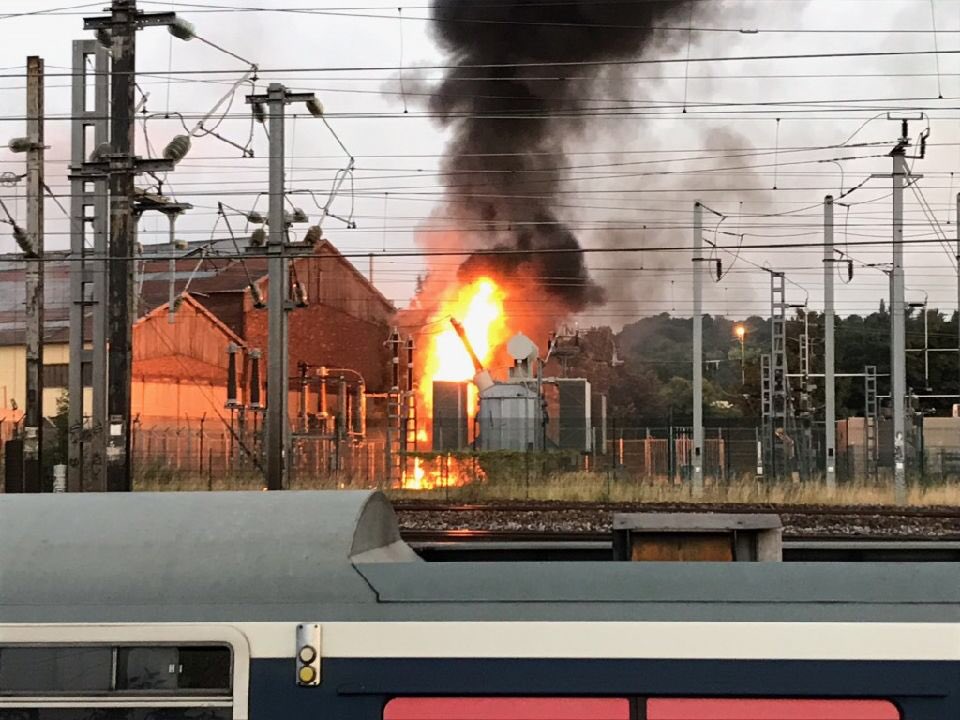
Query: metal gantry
[[871, 418], [766, 402], [86, 449], [779, 391]]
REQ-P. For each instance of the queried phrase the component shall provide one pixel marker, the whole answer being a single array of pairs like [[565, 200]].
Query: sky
[[759, 141]]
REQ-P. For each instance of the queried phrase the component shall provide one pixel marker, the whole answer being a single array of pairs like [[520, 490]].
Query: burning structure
[[477, 383], [513, 98]]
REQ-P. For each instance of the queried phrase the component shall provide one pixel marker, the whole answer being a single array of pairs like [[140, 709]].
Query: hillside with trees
[[647, 374]]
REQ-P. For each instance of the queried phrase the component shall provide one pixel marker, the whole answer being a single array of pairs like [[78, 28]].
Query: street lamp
[[741, 333]]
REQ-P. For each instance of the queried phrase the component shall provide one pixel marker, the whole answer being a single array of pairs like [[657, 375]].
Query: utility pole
[[898, 370], [958, 295], [698, 261], [120, 30], [278, 301], [33, 412], [86, 450], [829, 382]]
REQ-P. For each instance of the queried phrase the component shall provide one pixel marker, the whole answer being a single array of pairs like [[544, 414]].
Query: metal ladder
[[766, 441], [870, 419]]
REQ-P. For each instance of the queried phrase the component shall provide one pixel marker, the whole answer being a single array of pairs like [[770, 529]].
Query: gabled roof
[[206, 269], [191, 302], [210, 268]]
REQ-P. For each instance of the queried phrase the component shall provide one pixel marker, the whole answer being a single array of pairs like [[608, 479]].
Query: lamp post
[[741, 333]]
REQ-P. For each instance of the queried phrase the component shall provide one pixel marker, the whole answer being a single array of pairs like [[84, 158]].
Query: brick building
[[344, 324], [180, 368]]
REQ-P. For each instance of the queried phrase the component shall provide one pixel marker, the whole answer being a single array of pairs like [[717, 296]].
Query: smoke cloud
[[512, 120]]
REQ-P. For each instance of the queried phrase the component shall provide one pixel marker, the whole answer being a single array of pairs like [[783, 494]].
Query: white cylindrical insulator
[[101, 151], [20, 145], [315, 107], [483, 380], [177, 148], [182, 29], [59, 478], [314, 235]]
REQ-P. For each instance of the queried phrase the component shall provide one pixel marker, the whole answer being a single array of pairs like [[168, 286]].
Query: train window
[[40, 670], [466, 708], [735, 709], [73, 670]]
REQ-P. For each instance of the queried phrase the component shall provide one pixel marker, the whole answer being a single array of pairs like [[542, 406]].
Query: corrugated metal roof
[[210, 268]]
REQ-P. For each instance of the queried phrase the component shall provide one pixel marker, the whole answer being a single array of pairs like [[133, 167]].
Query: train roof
[[289, 556]]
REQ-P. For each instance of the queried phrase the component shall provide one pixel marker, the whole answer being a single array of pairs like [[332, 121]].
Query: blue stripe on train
[[356, 689]]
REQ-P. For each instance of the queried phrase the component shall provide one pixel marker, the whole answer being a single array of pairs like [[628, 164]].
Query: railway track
[[807, 522]]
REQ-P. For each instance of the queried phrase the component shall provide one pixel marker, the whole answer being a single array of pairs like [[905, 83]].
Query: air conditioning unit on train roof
[[703, 537]]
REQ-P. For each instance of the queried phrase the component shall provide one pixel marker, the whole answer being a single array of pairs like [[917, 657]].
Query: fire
[[478, 307]]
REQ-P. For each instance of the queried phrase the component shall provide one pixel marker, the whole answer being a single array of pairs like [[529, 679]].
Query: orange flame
[[478, 306]]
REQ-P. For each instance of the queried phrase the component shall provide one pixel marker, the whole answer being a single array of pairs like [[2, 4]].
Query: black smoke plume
[[513, 117]]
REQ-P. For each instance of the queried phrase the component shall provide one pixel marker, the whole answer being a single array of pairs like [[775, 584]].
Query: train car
[[309, 606]]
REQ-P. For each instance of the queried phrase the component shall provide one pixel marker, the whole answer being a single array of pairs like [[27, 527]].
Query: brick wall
[[345, 325]]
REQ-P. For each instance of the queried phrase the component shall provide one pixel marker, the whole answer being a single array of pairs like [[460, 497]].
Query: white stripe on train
[[575, 640]]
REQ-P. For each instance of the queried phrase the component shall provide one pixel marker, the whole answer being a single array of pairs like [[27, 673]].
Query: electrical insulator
[[104, 37], [100, 152], [255, 380], [182, 29], [314, 235], [299, 216], [177, 148], [180, 244], [256, 218], [232, 351], [719, 269], [299, 295], [257, 296], [315, 107], [849, 270], [258, 113], [20, 145], [258, 238], [20, 235]]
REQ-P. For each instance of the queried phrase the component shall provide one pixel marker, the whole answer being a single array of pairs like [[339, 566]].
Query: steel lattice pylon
[[870, 419]]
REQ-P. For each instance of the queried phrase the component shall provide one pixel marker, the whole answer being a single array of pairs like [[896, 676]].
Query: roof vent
[[687, 537]]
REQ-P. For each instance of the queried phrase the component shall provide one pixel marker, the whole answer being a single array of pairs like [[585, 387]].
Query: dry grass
[[585, 487], [600, 487]]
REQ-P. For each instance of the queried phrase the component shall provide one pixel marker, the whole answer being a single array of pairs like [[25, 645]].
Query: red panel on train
[[729, 709], [507, 709]]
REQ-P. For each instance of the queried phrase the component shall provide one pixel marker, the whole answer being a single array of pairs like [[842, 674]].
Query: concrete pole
[[33, 405], [958, 294], [830, 408], [172, 301], [697, 349], [120, 288], [277, 430], [898, 379]]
